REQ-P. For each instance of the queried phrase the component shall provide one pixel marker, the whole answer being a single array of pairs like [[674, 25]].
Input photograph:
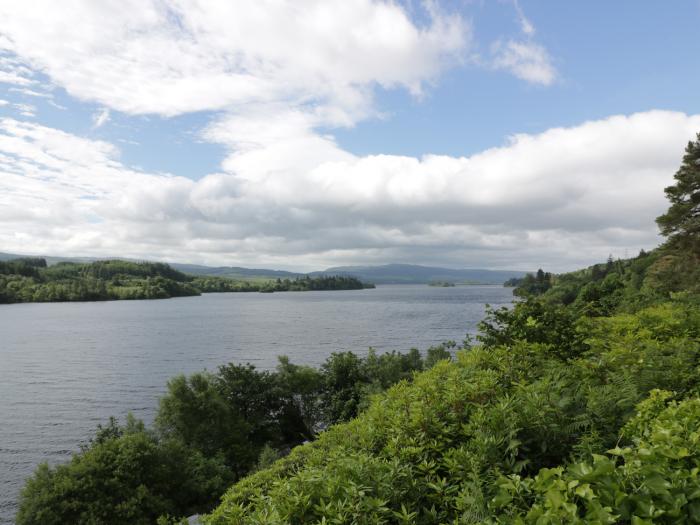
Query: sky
[[504, 134]]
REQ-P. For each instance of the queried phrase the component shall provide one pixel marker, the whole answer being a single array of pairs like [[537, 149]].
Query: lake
[[65, 367]]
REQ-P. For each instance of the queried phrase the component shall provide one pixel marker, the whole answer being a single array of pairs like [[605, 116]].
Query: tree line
[[32, 280]]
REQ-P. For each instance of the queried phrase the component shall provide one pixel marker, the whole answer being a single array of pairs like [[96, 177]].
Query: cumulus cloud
[[533, 201], [276, 75], [190, 55]]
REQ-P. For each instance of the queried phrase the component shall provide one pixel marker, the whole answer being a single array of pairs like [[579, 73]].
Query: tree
[[125, 475], [197, 412], [681, 223]]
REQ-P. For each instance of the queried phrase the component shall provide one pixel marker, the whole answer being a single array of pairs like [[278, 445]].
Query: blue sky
[[495, 134], [612, 58]]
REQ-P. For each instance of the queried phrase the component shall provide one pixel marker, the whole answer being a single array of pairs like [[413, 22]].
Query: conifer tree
[[681, 223]]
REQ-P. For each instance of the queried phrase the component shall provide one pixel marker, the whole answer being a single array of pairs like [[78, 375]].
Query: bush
[[653, 480], [448, 447]]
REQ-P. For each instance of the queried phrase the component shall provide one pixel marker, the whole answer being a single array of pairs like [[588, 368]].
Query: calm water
[[66, 367]]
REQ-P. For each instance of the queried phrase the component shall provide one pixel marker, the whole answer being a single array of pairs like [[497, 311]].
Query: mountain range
[[379, 274]]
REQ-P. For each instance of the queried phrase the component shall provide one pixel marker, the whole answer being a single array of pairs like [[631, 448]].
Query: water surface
[[65, 367]]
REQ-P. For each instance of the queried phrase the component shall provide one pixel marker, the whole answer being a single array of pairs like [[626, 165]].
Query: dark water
[[66, 367]]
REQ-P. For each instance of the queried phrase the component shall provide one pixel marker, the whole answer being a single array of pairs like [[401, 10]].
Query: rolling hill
[[381, 274]]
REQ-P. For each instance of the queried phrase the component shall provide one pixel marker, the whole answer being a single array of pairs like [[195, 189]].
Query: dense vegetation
[[211, 429], [531, 284], [489, 437], [299, 284], [578, 405], [32, 280]]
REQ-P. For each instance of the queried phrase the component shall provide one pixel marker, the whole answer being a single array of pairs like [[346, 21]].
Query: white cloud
[[288, 195], [532, 202], [523, 57], [526, 60], [143, 57], [57, 105], [31, 93], [26, 110], [100, 118], [525, 25], [3, 102], [12, 69]]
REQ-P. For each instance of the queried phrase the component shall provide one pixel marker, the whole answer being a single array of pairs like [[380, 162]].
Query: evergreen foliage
[[681, 223], [531, 284]]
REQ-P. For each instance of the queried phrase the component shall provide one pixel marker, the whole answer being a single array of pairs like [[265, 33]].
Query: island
[[441, 284]]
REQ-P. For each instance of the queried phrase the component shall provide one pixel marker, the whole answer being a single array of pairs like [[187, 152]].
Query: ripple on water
[[65, 368]]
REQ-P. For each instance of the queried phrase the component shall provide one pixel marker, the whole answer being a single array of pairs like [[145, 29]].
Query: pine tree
[[681, 223]]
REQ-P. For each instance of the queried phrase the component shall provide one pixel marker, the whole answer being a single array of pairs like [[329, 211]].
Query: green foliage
[[623, 285], [471, 441], [300, 284], [531, 285], [211, 429], [126, 475], [27, 267], [30, 280], [534, 321], [681, 223], [653, 480], [223, 284], [195, 412]]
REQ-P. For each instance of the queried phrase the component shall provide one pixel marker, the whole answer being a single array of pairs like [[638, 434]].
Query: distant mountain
[[414, 274], [384, 274], [232, 272], [235, 272]]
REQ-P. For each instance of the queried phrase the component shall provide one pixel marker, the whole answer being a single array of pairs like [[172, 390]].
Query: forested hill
[[32, 280], [618, 285], [380, 274]]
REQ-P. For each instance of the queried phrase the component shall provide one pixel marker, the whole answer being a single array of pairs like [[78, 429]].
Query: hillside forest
[[30, 279]]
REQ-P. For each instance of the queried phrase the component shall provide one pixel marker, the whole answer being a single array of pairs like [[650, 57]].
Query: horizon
[[452, 134], [261, 267]]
